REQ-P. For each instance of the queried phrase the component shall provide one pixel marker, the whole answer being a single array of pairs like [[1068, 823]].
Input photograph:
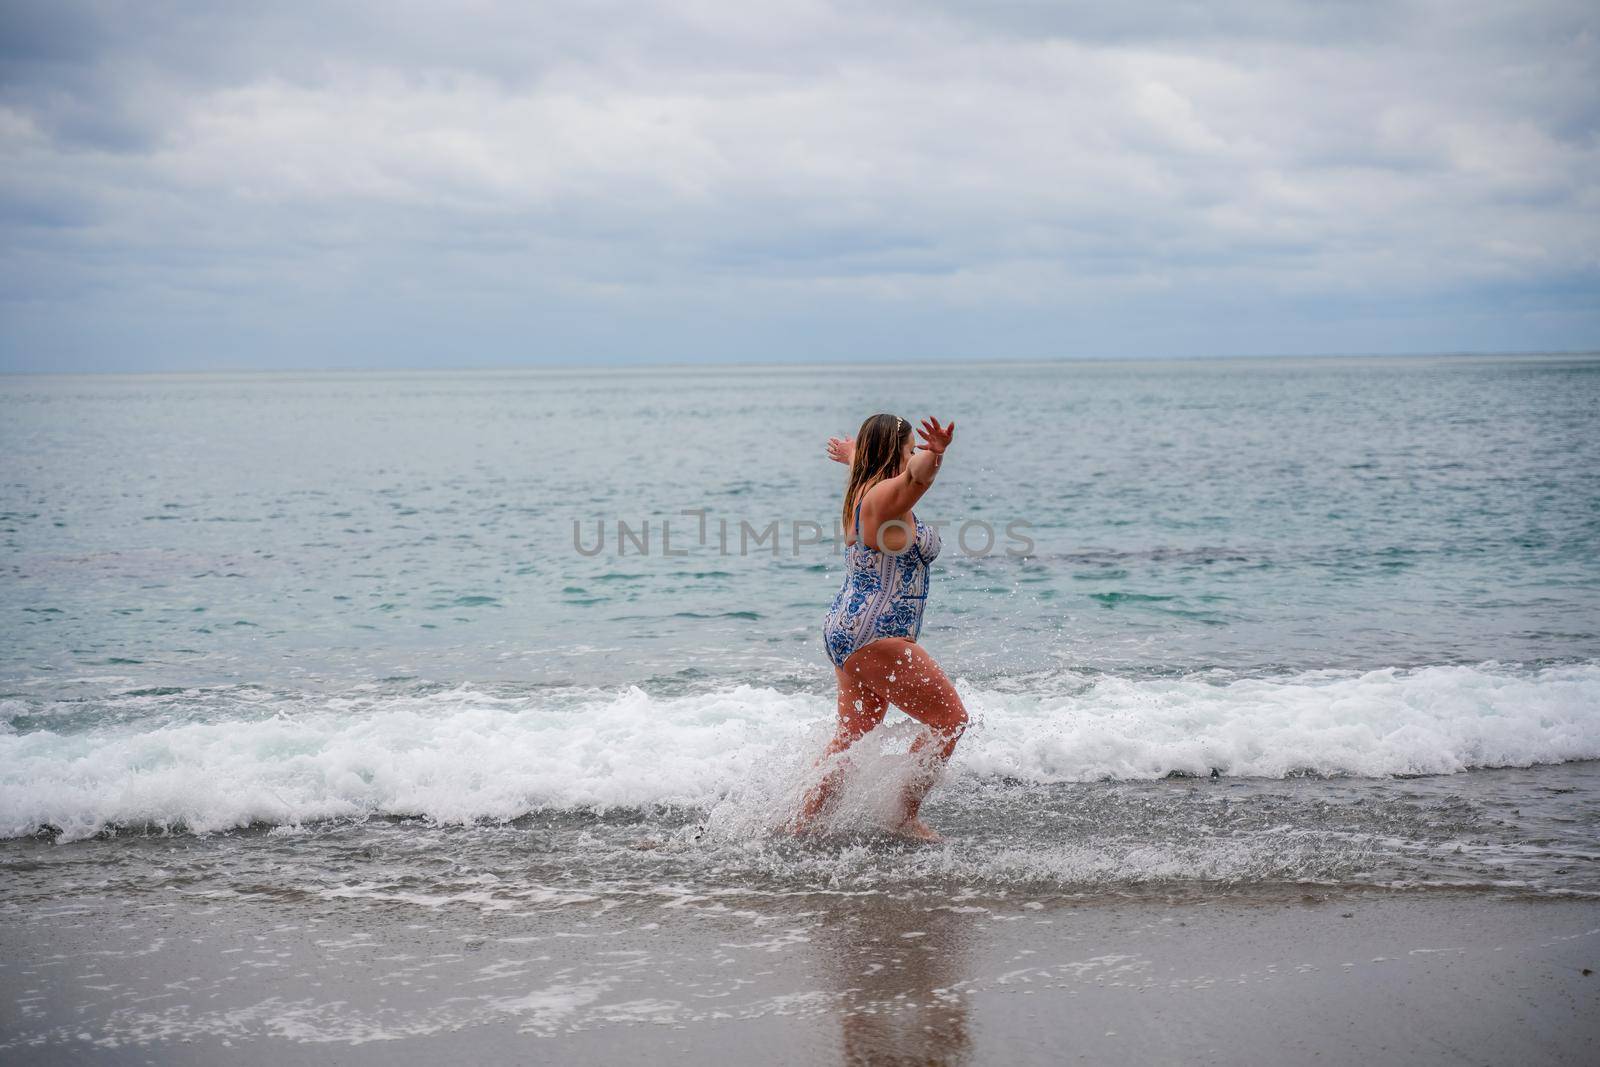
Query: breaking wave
[[205, 760]]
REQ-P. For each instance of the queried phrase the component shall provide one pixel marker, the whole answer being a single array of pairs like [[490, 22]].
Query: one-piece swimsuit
[[883, 593]]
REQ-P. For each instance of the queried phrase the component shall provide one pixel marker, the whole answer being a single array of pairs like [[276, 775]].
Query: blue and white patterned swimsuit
[[883, 593]]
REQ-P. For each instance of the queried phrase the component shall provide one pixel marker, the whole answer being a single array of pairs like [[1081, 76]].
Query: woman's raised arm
[[896, 496]]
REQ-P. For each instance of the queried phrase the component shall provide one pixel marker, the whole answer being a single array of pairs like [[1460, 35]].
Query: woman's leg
[[860, 710], [903, 673]]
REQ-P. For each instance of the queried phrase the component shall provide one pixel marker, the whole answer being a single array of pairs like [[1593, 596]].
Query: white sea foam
[[464, 754]]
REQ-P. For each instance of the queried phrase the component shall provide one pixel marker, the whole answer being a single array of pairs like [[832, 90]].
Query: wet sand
[[1373, 976]]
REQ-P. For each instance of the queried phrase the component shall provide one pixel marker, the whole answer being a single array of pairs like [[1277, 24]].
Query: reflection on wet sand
[[898, 970]]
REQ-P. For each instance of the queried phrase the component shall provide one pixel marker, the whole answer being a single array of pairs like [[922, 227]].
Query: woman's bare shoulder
[[878, 504], [883, 491]]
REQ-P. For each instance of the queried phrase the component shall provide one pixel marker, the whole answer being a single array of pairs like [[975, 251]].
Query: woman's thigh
[[903, 673]]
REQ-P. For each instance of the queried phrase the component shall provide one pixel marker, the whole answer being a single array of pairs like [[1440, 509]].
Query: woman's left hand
[[842, 449], [936, 438]]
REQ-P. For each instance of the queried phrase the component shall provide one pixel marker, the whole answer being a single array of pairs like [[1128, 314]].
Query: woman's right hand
[[842, 449]]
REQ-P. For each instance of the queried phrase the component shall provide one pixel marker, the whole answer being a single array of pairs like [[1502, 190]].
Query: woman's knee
[[947, 700], [956, 721], [854, 728], [860, 713]]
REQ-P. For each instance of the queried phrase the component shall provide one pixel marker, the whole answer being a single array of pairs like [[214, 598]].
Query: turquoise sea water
[[1247, 515], [319, 603]]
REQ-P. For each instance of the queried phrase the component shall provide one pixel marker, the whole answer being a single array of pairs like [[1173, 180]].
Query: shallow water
[[1532, 831]]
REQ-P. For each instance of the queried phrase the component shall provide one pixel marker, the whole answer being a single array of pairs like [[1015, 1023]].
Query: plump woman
[[871, 630]]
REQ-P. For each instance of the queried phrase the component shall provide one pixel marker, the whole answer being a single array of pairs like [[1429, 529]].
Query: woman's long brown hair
[[878, 446]]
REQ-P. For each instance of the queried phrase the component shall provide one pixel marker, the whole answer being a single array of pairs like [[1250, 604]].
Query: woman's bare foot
[[920, 831]]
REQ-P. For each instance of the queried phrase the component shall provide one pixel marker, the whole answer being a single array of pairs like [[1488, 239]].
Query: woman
[[871, 631]]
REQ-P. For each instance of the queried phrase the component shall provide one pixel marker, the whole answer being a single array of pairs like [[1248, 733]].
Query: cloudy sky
[[486, 184]]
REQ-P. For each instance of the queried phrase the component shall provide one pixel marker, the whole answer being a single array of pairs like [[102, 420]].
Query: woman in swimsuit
[[871, 630]]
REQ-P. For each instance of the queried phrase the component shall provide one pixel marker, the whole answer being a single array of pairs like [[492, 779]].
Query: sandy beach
[[1430, 977]]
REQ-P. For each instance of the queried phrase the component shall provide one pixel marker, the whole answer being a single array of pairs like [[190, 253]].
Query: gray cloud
[[371, 184]]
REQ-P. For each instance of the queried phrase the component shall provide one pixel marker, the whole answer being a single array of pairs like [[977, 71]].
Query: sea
[[544, 639]]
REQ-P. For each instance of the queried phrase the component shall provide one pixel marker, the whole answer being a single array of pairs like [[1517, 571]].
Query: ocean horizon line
[[1331, 358]]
